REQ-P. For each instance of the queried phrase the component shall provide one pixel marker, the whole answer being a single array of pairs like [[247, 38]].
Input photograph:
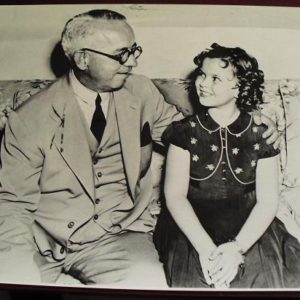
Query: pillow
[[290, 93], [289, 207], [176, 92], [273, 107], [14, 92]]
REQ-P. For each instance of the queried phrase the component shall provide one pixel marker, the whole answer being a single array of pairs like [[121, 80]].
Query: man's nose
[[131, 62]]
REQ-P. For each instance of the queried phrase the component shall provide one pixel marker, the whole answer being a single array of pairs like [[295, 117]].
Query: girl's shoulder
[[184, 125], [179, 132]]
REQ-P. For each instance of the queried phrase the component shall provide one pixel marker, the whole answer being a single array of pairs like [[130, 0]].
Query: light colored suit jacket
[[47, 187]]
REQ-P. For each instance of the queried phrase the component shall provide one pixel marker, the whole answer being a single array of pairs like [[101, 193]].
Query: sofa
[[281, 103]]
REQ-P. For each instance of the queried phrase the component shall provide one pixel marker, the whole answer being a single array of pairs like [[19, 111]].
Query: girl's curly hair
[[245, 68]]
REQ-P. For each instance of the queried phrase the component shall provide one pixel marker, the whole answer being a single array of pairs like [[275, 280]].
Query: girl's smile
[[216, 84]]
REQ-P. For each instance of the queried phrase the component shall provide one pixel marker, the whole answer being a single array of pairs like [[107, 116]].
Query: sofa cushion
[[290, 192], [290, 92], [176, 92], [15, 92]]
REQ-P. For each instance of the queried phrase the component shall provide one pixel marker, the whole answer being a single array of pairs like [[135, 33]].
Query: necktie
[[98, 121]]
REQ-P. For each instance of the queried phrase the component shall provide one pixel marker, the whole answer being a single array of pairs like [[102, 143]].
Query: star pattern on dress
[[193, 141], [195, 157], [238, 135], [235, 151], [210, 167], [256, 146], [193, 124], [253, 163], [238, 170], [214, 148], [209, 132], [254, 129]]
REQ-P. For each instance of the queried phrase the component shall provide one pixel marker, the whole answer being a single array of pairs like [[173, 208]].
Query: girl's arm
[[261, 216], [267, 195], [176, 188]]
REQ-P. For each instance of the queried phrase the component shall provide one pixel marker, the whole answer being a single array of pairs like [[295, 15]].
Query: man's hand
[[271, 134]]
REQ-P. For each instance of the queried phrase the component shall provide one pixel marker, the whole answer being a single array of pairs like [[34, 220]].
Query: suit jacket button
[[97, 201], [99, 174], [95, 160], [71, 225], [96, 217]]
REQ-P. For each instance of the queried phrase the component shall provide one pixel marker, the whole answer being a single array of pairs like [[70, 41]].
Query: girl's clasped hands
[[222, 265]]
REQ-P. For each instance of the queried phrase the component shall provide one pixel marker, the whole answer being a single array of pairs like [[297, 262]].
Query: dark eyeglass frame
[[119, 57]]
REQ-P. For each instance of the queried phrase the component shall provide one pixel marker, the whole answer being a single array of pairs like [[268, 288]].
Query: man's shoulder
[[137, 78], [42, 101], [139, 84], [143, 90], [35, 112]]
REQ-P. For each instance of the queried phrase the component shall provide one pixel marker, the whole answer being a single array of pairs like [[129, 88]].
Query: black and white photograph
[[150, 147]]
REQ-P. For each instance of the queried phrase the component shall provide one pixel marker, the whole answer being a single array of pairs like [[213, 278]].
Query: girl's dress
[[222, 193]]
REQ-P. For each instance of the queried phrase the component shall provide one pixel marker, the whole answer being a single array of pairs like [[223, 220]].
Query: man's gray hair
[[80, 26]]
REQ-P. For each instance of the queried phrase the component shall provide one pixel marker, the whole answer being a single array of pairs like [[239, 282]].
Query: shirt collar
[[240, 124], [236, 127], [81, 91]]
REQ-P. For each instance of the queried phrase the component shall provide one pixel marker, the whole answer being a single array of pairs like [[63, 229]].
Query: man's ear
[[81, 60]]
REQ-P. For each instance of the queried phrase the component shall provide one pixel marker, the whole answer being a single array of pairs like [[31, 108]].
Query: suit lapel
[[70, 137], [128, 120]]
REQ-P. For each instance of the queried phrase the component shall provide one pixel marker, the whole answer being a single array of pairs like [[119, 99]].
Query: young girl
[[221, 186]]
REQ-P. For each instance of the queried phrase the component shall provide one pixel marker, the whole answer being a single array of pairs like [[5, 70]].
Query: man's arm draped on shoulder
[[19, 197], [271, 134], [164, 114]]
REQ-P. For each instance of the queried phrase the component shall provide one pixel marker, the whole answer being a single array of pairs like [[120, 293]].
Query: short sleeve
[[178, 133], [265, 150]]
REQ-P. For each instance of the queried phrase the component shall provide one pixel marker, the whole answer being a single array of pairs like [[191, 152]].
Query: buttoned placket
[[98, 175], [223, 162]]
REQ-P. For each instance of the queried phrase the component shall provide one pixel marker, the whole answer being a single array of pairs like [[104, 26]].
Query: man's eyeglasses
[[122, 57]]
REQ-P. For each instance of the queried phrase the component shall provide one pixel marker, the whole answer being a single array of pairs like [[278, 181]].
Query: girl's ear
[[237, 86], [81, 60], [237, 90]]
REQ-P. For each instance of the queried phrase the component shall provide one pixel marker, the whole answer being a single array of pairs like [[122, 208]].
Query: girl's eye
[[201, 75], [216, 79]]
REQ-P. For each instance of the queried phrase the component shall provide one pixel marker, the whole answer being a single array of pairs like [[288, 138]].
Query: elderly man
[[75, 176]]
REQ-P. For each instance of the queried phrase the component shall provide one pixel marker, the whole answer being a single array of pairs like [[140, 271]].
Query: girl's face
[[216, 86]]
